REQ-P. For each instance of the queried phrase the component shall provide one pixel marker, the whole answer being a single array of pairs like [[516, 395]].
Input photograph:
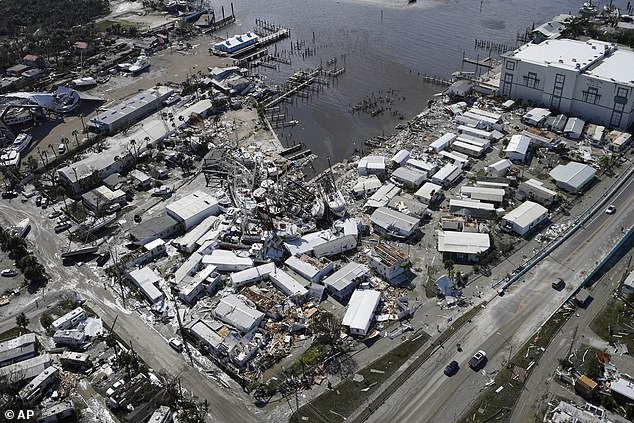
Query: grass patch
[[12, 333], [107, 24], [58, 310], [348, 395], [616, 319], [497, 406]]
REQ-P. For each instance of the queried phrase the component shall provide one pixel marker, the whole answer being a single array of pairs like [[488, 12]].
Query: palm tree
[[53, 149], [75, 133]]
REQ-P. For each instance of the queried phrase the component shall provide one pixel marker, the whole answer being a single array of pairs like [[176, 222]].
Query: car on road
[[113, 208], [478, 360], [9, 194], [54, 214], [176, 344], [62, 227], [558, 284], [611, 209], [9, 273], [44, 203], [452, 368]]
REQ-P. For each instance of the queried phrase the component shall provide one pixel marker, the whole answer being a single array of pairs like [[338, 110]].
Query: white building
[[382, 196], [237, 311], [388, 261], [517, 148], [473, 208], [70, 319], [498, 169], [371, 165], [463, 245], [36, 388], [442, 142], [360, 312], [163, 414], [227, 261], [524, 218], [72, 338], [447, 175], [574, 128], [147, 281], [590, 79], [572, 176], [310, 268], [628, 285], [394, 223], [422, 165], [287, 284], [468, 148], [191, 288], [366, 185], [409, 176], [251, 275], [429, 193], [341, 283], [400, 157], [493, 195], [535, 190], [193, 208], [623, 388]]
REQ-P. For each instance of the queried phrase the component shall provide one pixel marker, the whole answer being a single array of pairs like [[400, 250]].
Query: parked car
[[38, 200], [478, 360], [61, 149], [54, 214], [9, 194], [452, 368], [163, 191], [176, 344], [44, 203], [62, 227], [611, 209], [9, 273], [113, 208], [558, 284]]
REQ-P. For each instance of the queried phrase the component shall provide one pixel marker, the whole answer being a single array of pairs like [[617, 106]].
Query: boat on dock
[[78, 252], [588, 9], [21, 142]]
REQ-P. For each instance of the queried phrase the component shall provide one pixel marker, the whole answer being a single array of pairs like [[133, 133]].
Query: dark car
[[478, 360], [452, 368], [558, 284], [9, 194]]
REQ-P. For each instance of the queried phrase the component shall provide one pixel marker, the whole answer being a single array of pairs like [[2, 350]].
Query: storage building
[[193, 209], [409, 176], [429, 193], [394, 223], [371, 165], [498, 169], [341, 283], [442, 142], [517, 148], [463, 245], [573, 176], [524, 218], [447, 175], [535, 190], [360, 311]]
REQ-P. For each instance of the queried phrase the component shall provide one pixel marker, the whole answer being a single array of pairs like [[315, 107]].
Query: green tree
[[22, 321], [327, 330]]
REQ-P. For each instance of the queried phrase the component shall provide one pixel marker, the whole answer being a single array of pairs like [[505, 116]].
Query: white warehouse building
[[524, 218], [589, 79], [193, 208]]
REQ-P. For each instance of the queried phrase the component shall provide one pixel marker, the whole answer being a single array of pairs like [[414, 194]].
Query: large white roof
[[286, 283], [192, 205], [462, 242], [527, 213], [562, 53], [573, 173], [389, 219], [518, 144], [234, 310], [361, 309], [617, 67]]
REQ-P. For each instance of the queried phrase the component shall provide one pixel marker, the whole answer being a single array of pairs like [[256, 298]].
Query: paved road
[[568, 339], [507, 323], [225, 405]]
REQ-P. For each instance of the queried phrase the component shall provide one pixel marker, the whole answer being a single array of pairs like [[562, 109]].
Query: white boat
[[94, 225], [271, 169], [84, 82], [22, 228], [336, 203], [65, 100], [9, 157], [21, 142], [125, 67], [18, 116], [588, 9], [140, 65]]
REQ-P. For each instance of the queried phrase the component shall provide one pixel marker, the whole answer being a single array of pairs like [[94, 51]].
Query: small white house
[[70, 319], [360, 311], [388, 261], [371, 165], [409, 176], [341, 283], [498, 169], [524, 218], [310, 268], [429, 193], [517, 148]]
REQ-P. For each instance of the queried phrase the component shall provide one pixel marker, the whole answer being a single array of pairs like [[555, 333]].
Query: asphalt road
[[507, 322], [568, 339], [225, 405]]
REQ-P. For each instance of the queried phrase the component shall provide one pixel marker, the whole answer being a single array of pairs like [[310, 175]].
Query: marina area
[[377, 211]]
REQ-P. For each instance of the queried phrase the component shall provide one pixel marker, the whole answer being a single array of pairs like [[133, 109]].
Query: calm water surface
[[385, 46]]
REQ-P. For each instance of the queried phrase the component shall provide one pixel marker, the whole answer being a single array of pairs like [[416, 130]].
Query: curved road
[[507, 322], [225, 405]]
